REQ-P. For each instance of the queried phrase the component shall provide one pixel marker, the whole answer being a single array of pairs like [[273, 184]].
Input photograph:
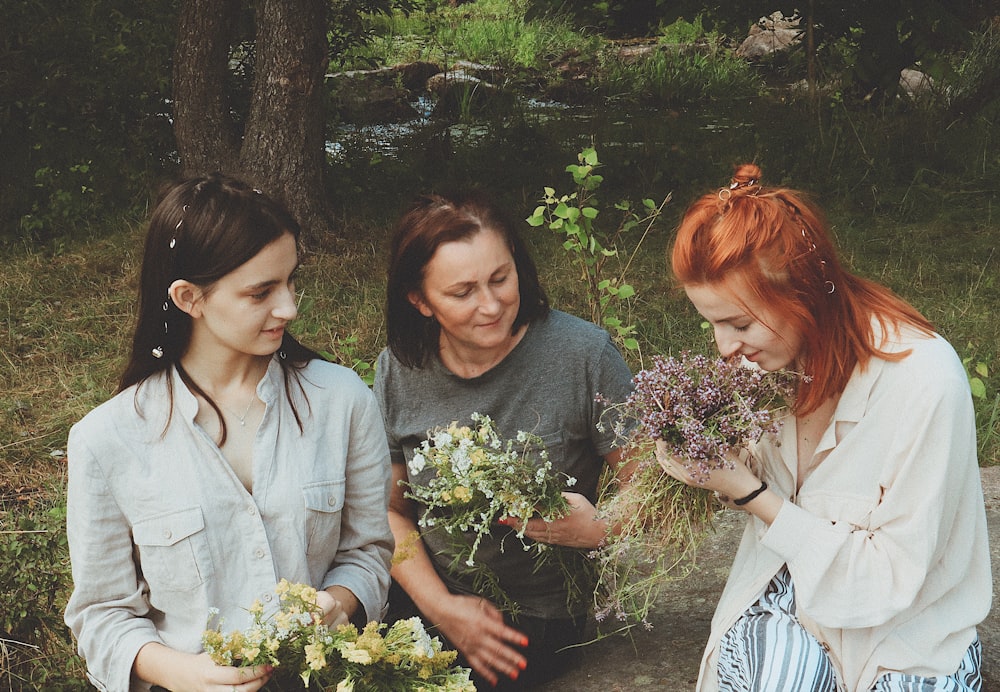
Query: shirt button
[[267, 598], [251, 510], [332, 501], [259, 552], [167, 534]]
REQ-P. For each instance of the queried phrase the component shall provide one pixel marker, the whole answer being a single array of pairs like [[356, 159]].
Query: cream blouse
[[886, 541]]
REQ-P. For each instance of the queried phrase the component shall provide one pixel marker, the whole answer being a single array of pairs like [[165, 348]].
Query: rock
[[915, 83], [770, 35]]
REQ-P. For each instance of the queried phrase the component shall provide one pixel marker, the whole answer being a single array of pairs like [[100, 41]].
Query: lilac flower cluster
[[703, 408]]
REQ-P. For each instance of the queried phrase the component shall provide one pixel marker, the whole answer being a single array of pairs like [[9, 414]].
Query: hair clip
[[830, 287], [282, 355], [157, 352], [173, 241]]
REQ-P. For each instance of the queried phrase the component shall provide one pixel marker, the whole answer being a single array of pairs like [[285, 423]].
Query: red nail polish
[[513, 676], [522, 664], [524, 642]]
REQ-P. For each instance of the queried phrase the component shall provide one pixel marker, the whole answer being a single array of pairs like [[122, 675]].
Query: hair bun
[[746, 179]]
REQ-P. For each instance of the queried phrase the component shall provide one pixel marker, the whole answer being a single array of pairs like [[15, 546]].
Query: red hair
[[773, 245]]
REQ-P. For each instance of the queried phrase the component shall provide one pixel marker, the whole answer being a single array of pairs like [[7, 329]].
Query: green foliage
[[574, 216], [83, 111], [34, 571], [678, 76]]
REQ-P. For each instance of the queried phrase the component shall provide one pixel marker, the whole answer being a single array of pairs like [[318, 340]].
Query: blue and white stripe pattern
[[768, 650]]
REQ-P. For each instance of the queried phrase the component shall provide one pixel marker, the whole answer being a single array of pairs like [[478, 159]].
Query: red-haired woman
[[864, 564]]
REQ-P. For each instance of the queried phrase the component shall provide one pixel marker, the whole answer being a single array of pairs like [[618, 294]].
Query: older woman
[[469, 331]]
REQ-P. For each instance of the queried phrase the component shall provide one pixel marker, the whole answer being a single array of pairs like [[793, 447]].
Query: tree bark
[[281, 148], [207, 139]]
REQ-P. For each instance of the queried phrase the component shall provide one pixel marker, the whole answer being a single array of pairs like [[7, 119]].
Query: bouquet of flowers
[[702, 409], [480, 478], [306, 654]]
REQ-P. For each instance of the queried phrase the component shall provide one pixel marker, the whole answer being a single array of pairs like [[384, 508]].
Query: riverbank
[[667, 657]]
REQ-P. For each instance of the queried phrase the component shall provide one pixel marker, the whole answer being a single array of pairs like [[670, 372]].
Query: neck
[[218, 376], [473, 362]]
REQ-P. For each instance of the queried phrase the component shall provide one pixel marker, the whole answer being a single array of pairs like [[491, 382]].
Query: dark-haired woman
[[470, 330], [232, 457], [864, 564]]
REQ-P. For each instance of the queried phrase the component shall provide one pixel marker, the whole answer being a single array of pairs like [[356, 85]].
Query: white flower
[[417, 463]]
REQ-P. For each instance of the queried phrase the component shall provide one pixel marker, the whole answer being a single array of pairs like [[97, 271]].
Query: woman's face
[[755, 332], [470, 287], [245, 312]]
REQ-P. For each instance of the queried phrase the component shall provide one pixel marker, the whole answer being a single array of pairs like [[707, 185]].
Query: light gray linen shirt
[[160, 528]]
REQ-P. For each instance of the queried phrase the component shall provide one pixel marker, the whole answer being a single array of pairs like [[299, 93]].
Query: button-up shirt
[[161, 529], [886, 538]]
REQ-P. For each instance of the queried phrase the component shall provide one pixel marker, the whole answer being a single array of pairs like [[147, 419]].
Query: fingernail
[[513, 676], [502, 520], [524, 641], [522, 664]]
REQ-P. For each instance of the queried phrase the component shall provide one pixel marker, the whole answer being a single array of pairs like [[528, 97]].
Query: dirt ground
[[667, 657]]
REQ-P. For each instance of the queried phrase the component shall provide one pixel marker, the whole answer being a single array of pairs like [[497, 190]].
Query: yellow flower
[[353, 654], [345, 686], [445, 496], [315, 656], [462, 493], [256, 608]]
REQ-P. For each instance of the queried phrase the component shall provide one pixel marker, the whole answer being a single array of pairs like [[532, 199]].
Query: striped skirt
[[767, 650]]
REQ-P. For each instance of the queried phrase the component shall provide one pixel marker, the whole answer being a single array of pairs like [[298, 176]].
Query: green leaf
[[589, 212], [626, 291], [982, 370], [562, 211], [631, 344], [978, 388], [590, 156]]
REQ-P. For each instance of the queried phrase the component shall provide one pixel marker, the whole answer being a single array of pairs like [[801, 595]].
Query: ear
[[417, 301], [186, 296]]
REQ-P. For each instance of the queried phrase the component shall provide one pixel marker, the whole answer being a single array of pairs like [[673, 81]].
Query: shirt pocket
[[173, 550], [324, 503]]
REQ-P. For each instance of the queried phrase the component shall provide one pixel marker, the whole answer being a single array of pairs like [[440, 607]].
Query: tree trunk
[[207, 139], [284, 142], [282, 145]]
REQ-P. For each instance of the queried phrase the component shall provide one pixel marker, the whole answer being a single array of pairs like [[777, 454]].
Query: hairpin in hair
[[157, 352]]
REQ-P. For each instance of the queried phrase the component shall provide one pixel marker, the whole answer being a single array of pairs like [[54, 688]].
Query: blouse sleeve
[[911, 538], [107, 610], [366, 544]]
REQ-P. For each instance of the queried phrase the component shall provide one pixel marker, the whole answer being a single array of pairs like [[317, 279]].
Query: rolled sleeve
[[366, 545], [107, 609]]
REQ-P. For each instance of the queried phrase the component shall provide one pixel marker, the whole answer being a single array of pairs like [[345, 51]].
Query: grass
[[68, 315], [919, 219]]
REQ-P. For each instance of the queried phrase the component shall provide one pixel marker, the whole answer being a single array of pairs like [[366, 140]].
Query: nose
[[489, 303], [729, 345], [286, 307]]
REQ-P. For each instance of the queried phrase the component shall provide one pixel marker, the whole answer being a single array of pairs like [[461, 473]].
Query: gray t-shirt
[[546, 385]]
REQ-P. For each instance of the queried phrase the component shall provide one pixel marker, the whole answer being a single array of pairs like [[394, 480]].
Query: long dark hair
[[431, 221], [201, 229]]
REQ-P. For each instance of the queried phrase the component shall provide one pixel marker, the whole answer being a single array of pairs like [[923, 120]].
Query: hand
[[199, 673], [476, 628], [581, 528], [728, 483], [334, 613]]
